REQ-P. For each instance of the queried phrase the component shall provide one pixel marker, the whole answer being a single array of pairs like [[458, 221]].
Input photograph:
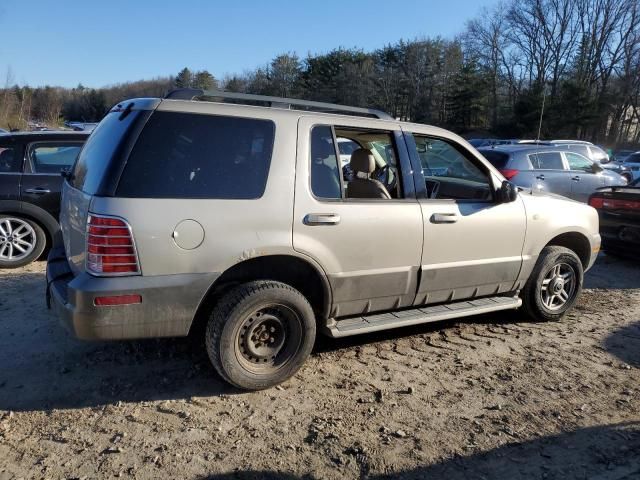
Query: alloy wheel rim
[[17, 239], [558, 286]]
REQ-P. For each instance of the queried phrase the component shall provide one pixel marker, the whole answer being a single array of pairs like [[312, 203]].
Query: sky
[[102, 42]]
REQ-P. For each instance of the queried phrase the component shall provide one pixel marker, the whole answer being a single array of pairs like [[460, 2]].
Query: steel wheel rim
[[17, 239], [268, 338], [558, 286]]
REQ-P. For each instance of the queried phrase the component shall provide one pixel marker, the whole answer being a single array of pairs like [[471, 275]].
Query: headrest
[[362, 161]]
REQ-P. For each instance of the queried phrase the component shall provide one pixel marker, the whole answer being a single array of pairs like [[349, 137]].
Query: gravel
[[496, 396]]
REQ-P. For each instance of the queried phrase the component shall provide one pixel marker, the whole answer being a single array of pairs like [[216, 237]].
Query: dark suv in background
[[30, 183]]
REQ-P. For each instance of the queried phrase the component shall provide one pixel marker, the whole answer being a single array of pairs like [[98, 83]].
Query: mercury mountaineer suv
[[238, 211]]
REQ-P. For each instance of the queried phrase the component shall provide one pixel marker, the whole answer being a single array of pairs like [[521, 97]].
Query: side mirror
[[508, 192], [596, 167], [66, 173]]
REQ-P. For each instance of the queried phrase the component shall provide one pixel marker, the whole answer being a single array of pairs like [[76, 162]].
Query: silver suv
[[244, 217]]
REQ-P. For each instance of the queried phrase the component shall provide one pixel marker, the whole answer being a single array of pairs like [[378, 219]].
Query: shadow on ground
[[613, 273], [624, 343], [602, 452]]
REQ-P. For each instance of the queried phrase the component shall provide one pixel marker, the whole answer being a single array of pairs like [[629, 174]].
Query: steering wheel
[[384, 175]]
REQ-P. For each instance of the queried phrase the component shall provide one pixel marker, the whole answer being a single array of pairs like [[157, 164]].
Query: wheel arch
[[576, 242], [34, 213], [299, 272]]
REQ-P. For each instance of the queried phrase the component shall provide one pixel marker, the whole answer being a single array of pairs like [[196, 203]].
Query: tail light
[[509, 173], [110, 247], [614, 204], [596, 202]]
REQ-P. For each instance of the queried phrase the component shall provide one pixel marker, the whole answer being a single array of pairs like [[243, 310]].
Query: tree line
[[576, 60]]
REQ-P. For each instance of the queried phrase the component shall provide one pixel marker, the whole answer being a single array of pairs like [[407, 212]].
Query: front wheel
[[554, 285], [260, 333]]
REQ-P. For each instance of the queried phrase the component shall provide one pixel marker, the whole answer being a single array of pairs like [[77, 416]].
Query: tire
[[259, 334], [553, 262], [21, 241]]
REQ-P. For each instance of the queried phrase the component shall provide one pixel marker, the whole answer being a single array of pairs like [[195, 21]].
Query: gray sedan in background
[[552, 169]]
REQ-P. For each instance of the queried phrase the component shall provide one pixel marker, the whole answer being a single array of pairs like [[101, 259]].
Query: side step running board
[[403, 318]]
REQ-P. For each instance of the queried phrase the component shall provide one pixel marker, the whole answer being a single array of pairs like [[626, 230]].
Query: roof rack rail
[[277, 102]]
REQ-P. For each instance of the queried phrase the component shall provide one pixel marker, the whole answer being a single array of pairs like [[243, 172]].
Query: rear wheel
[[554, 284], [21, 241], [260, 333]]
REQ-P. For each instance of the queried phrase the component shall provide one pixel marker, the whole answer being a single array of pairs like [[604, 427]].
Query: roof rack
[[276, 102]]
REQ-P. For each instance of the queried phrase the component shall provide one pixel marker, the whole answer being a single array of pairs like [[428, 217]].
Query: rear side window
[[9, 160], [547, 161], [184, 155], [497, 159], [100, 148], [51, 157], [597, 154]]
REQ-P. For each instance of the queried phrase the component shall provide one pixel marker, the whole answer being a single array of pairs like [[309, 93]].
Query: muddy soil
[[496, 396]]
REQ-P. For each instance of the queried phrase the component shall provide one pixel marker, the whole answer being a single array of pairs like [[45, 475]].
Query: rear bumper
[[169, 302], [620, 233]]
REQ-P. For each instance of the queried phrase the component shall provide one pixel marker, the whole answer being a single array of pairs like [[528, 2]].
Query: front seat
[[362, 160]]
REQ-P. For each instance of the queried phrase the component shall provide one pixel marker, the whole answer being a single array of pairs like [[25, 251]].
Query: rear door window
[[52, 157], [325, 173], [547, 161], [185, 155]]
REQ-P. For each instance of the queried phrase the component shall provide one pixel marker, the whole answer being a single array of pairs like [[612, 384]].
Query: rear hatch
[[97, 170]]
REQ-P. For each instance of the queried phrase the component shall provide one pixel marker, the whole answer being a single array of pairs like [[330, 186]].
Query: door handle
[[576, 178], [37, 190], [444, 218], [321, 219], [540, 177]]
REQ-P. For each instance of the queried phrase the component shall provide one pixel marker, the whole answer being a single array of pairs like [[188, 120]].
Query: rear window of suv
[[186, 155], [96, 155]]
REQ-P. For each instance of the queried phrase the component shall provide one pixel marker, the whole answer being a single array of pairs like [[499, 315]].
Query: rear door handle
[[444, 218], [576, 178], [540, 177], [37, 190], [321, 219]]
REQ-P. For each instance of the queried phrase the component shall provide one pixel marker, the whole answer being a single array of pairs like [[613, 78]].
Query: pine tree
[[204, 80], [184, 79]]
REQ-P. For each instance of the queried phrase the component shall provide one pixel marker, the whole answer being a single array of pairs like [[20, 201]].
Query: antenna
[[544, 97]]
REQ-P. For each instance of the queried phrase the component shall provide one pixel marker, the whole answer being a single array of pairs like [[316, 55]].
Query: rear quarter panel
[[234, 230]]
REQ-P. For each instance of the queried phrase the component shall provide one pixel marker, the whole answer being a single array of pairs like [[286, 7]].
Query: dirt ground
[[495, 396]]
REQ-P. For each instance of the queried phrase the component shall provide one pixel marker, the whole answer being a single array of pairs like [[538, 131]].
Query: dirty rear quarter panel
[[234, 230]]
